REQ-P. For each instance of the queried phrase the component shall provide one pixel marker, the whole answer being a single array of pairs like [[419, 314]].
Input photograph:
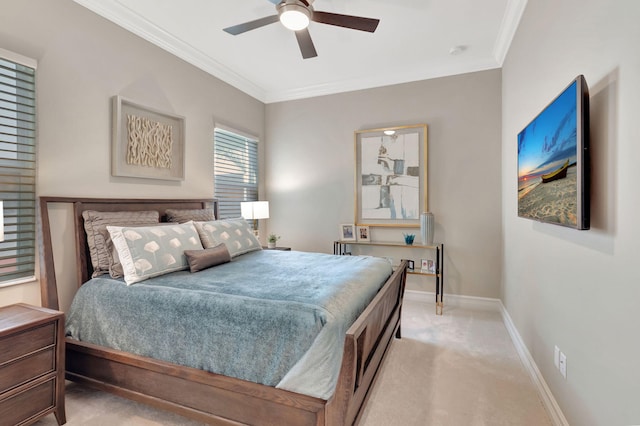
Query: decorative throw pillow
[[98, 239], [203, 259], [234, 233], [182, 216], [115, 267], [149, 251]]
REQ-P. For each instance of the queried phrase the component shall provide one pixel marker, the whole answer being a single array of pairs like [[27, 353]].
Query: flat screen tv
[[553, 161]]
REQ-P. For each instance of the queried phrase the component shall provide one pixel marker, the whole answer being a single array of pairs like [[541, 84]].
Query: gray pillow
[[98, 239], [182, 216], [203, 259]]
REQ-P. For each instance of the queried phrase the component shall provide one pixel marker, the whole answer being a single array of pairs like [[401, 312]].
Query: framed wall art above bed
[[147, 143], [391, 176]]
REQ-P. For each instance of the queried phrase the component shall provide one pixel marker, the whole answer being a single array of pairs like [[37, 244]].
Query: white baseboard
[[549, 401], [466, 302], [485, 303]]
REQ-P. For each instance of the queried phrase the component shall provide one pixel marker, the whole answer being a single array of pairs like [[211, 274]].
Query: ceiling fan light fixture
[[294, 16]]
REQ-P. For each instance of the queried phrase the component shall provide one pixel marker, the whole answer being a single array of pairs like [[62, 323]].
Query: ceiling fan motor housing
[[295, 14]]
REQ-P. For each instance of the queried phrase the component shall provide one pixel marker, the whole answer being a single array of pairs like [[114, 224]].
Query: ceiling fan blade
[[307, 48], [252, 25], [346, 21]]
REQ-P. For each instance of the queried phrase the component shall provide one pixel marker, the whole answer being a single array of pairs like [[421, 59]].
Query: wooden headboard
[[48, 284]]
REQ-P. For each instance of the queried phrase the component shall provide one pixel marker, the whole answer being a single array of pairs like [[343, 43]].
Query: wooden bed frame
[[209, 397]]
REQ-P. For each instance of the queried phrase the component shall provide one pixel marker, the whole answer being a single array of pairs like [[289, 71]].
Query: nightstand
[[277, 248], [31, 364]]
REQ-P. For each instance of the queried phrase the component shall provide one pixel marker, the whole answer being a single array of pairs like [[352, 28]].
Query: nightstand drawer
[[27, 404], [31, 364], [28, 368], [27, 341]]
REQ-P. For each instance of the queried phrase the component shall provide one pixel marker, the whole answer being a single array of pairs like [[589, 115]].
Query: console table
[[341, 247]]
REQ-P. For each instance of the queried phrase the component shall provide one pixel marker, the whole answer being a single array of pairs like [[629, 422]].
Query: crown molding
[[377, 81], [133, 22], [510, 21]]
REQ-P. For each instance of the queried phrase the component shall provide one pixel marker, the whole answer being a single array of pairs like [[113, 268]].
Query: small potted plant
[[271, 240]]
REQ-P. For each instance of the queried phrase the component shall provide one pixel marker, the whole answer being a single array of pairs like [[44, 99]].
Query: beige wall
[[579, 289], [83, 61], [310, 170]]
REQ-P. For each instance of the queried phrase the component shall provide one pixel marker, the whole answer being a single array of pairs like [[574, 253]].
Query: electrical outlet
[[556, 357], [563, 365]]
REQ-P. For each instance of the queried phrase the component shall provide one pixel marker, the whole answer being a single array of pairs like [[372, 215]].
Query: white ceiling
[[412, 41]]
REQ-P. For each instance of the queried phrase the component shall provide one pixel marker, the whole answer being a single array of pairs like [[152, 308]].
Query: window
[[235, 168], [17, 169]]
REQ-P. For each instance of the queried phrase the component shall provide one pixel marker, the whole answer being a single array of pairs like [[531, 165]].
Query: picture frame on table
[[410, 264], [428, 266], [363, 233], [347, 232]]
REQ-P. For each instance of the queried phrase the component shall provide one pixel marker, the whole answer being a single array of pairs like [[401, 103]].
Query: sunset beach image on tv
[[553, 162]]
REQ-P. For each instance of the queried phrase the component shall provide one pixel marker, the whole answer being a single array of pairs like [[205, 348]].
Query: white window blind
[[17, 170], [235, 171]]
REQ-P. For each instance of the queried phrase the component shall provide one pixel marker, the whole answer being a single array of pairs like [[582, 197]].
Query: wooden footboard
[[200, 395], [213, 398], [365, 346]]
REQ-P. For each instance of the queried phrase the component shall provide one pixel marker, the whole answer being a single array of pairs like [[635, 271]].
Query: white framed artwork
[[146, 142], [391, 176]]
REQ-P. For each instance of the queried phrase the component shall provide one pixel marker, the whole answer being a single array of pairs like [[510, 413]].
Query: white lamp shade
[[255, 209]]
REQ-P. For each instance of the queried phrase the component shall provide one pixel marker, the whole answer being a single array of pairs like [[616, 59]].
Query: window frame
[[13, 217], [252, 159]]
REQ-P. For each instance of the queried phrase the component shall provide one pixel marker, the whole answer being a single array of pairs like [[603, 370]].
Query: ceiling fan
[[296, 15]]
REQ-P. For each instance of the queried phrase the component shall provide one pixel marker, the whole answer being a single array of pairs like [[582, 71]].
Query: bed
[[218, 398]]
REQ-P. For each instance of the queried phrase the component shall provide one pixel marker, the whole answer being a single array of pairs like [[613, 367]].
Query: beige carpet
[[457, 369], [460, 368]]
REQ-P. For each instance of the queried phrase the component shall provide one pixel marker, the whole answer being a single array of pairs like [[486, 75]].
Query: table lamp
[[255, 210]]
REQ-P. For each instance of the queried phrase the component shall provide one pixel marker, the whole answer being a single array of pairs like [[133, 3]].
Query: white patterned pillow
[[150, 251], [234, 233]]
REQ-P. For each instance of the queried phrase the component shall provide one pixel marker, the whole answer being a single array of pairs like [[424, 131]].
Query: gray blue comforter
[[270, 317]]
